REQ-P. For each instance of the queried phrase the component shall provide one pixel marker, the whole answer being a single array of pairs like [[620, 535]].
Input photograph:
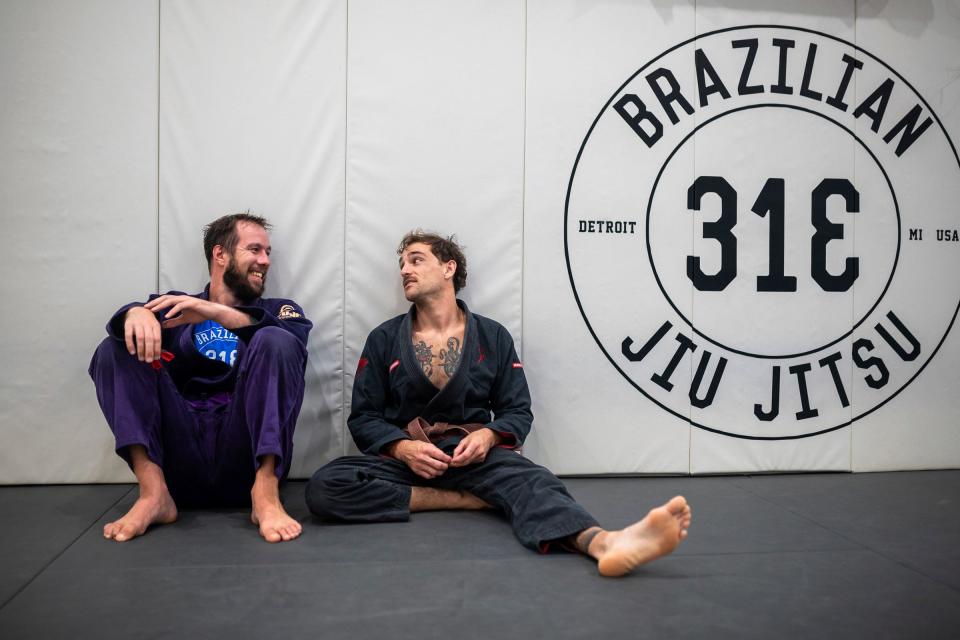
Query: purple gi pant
[[209, 446]]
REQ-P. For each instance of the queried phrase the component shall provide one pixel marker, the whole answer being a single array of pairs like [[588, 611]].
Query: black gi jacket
[[390, 388]]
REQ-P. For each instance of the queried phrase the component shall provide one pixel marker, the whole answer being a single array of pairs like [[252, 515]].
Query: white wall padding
[[252, 99], [918, 427], [793, 140], [78, 195], [435, 140], [588, 417], [583, 152]]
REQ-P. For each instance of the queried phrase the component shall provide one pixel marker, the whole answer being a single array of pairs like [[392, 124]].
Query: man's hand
[[474, 447], [190, 310], [141, 332], [423, 458]]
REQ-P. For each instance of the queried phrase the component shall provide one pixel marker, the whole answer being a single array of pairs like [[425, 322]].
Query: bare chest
[[438, 355]]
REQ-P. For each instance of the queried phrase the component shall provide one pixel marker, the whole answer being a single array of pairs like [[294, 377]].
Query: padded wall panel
[[915, 45], [348, 123], [435, 140], [783, 310], [252, 99], [78, 165], [591, 415]]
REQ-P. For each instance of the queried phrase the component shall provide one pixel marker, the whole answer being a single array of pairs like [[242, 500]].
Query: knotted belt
[[420, 429]]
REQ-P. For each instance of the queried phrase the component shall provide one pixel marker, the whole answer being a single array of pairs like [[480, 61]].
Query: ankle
[[265, 488], [592, 541], [154, 492]]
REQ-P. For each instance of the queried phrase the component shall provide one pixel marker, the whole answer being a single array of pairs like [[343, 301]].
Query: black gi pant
[[377, 489]]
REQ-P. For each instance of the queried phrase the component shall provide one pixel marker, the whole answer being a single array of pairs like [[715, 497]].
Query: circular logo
[[761, 232]]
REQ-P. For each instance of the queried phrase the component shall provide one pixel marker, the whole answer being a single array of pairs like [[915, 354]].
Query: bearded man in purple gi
[[202, 391], [439, 363]]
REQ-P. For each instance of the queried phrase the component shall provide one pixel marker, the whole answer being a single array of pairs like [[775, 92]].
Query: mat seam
[[344, 414], [65, 549], [523, 180], [862, 545]]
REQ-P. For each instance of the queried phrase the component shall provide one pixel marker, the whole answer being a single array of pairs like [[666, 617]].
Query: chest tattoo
[[450, 357], [424, 355], [439, 366]]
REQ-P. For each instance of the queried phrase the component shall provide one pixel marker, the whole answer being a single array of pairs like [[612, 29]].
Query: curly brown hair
[[444, 248]]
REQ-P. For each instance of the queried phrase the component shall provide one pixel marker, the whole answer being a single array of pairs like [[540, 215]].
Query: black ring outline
[[896, 206], [566, 248]]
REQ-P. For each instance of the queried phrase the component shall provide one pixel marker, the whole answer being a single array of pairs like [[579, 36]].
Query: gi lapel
[[453, 391], [439, 399], [422, 386]]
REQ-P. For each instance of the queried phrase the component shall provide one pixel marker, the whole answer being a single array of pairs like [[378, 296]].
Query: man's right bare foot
[[156, 508], [658, 534]]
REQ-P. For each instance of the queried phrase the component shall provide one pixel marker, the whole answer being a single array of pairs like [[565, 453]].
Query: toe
[[271, 535], [676, 505], [126, 532]]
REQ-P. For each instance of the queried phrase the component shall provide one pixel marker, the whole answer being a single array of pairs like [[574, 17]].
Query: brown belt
[[420, 429]]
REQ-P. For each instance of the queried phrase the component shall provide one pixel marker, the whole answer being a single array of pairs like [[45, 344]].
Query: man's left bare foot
[[658, 534], [275, 523], [268, 513]]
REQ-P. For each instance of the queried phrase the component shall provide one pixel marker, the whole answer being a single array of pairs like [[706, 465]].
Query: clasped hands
[[428, 461], [142, 330]]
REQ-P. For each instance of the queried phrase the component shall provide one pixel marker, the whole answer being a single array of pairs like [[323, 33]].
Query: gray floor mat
[[791, 556]]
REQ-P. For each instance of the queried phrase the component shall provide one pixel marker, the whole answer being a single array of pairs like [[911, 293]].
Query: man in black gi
[[202, 391], [425, 388]]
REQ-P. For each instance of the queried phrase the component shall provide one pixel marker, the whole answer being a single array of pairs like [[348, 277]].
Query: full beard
[[240, 285]]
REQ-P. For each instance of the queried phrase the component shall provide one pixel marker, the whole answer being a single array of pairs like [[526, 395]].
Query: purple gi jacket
[[196, 375]]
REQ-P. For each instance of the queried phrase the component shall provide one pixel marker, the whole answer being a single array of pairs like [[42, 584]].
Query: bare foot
[[658, 534], [149, 509], [268, 513], [275, 523]]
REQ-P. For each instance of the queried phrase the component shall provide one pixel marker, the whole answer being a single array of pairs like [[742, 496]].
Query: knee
[[110, 348], [276, 340], [325, 490], [108, 355]]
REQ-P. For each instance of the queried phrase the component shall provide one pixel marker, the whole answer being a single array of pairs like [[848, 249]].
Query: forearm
[[394, 449], [231, 318], [496, 437]]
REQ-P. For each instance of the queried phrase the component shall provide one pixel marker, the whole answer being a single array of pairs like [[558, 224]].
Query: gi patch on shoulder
[[287, 311]]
